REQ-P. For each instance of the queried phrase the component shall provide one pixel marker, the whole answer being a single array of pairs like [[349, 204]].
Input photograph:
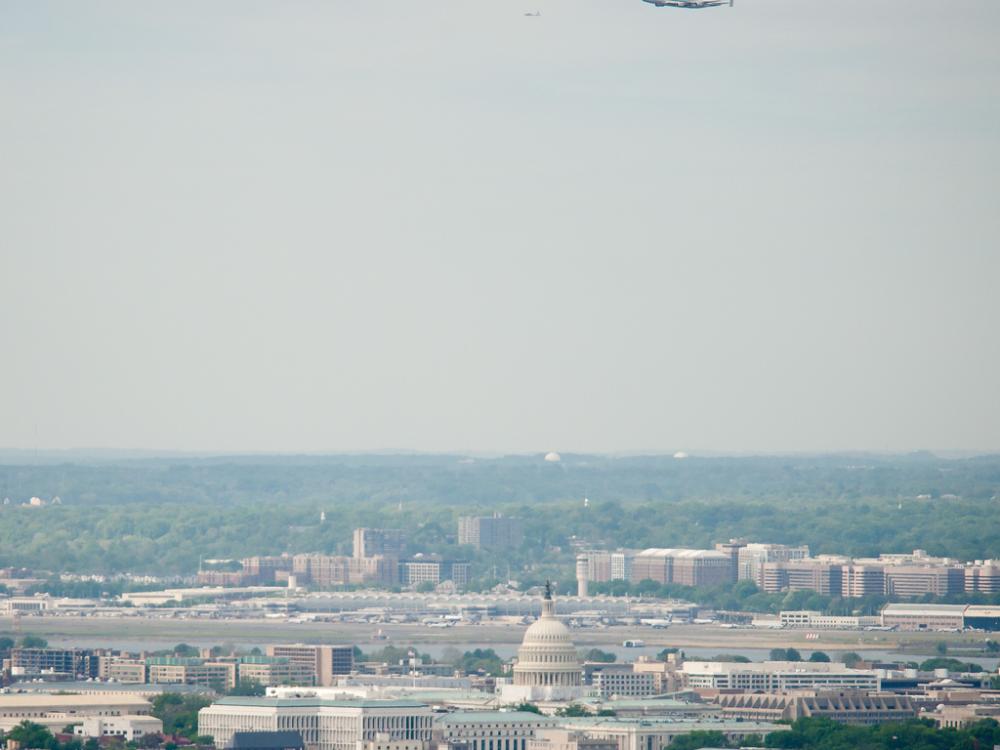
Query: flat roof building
[[982, 617], [490, 730], [323, 724], [653, 733], [917, 580], [128, 728], [490, 532], [688, 567], [327, 661], [924, 616], [751, 557], [56, 711], [846, 707], [776, 676]]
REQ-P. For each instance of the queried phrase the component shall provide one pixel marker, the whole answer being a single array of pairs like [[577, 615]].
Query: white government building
[[547, 667], [323, 724], [775, 676]]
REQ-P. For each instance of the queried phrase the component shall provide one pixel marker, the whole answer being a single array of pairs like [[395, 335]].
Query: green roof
[[491, 716], [263, 660], [707, 725], [318, 702]]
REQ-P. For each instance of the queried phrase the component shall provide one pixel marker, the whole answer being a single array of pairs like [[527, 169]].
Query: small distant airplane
[[536, 14], [688, 3]]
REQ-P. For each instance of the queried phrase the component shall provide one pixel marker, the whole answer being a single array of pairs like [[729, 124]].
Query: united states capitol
[[544, 702]]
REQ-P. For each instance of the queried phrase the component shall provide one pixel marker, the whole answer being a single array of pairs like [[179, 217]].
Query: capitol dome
[[547, 656]]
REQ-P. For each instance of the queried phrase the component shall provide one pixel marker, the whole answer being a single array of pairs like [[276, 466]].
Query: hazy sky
[[442, 225]]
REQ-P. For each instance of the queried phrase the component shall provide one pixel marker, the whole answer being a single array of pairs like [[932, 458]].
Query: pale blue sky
[[445, 226]]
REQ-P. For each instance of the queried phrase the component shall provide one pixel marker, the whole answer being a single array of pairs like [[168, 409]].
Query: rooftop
[[8, 700], [319, 702], [686, 553], [655, 722], [919, 609], [483, 717]]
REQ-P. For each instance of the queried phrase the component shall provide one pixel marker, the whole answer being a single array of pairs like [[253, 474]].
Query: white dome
[[546, 632], [553, 456], [547, 656]]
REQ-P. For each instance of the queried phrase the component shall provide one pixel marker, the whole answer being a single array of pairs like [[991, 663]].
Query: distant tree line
[[162, 516]]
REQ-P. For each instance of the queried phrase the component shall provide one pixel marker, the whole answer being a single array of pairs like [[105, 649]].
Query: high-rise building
[[732, 548], [689, 567], [822, 576], [219, 675], [275, 670], [379, 542], [337, 570], [264, 570], [327, 662], [983, 576], [69, 661], [490, 532], [751, 558], [433, 569], [862, 580], [917, 580]]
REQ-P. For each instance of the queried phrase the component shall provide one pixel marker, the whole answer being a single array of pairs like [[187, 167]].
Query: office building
[[776, 676], [218, 675], [862, 580], [688, 567], [918, 580], [621, 681], [326, 662], [67, 661], [52, 710], [566, 739], [751, 558], [983, 577], [818, 621], [490, 532], [323, 724], [126, 728], [820, 576], [275, 670], [325, 571], [490, 730], [433, 569], [263, 570], [844, 706], [962, 716], [601, 566], [666, 678], [732, 549], [123, 669], [657, 733], [379, 543]]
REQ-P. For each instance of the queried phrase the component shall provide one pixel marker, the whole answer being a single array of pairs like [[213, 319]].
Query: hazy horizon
[[449, 228]]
